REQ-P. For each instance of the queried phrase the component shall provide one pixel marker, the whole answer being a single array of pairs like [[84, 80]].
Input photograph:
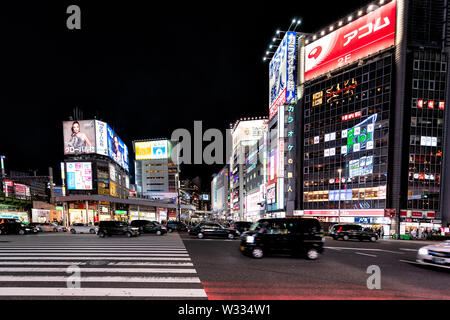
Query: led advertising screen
[[117, 150], [151, 150], [79, 176], [79, 137], [360, 137], [101, 140], [282, 74], [360, 167], [271, 193], [365, 36]]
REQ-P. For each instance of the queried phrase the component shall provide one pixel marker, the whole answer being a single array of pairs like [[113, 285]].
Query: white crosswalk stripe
[[145, 268]]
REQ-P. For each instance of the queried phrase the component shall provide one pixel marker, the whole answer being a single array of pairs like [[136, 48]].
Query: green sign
[[59, 208], [121, 212]]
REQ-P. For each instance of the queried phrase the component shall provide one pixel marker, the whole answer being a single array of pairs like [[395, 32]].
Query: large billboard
[[79, 175], [365, 36], [93, 136], [249, 131], [282, 71], [79, 137], [151, 150], [101, 139], [361, 136], [117, 150]]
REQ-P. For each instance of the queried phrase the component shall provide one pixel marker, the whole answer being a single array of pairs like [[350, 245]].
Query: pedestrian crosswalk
[[145, 267]]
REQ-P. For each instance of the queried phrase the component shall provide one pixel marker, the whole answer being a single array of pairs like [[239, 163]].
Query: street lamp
[[339, 210]]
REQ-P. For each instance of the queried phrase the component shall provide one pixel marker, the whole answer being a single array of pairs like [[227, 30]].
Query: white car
[[58, 227], [435, 254], [82, 228], [47, 227]]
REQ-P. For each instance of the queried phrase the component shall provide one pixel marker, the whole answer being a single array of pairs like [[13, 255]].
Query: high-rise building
[[220, 194], [155, 172], [255, 180], [372, 118], [245, 133]]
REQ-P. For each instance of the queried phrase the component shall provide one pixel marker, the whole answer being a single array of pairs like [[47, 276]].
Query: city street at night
[[247, 161], [178, 266]]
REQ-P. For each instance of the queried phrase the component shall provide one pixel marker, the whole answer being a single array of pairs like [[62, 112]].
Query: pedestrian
[[381, 232], [413, 233], [420, 233]]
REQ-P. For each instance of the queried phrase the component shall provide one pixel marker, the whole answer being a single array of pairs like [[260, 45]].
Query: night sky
[[145, 69]]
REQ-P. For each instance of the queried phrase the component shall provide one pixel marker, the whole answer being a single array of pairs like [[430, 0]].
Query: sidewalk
[[426, 242]]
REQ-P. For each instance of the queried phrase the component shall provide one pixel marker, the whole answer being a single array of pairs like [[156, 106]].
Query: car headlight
[[423, 251], [250, 239]]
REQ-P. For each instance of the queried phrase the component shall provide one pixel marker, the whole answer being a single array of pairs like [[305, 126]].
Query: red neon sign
[[369, 34], [420, 104], [431, 104], [351, 116], [441, 105]]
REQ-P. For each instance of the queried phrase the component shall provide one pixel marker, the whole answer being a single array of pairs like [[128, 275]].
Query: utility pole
[[52, 192], [339, 212]]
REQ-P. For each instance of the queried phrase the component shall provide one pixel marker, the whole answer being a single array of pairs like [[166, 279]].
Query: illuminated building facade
[[373, 116]]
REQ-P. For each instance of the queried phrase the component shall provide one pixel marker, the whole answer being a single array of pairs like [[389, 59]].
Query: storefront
[[81, 216], [142, 213], [121, 215], [40, 215], [56, 214], [375, 218], [417, 223], [162, 214], [14, 212]]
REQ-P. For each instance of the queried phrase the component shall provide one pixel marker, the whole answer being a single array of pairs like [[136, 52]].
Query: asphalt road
[[177, 266]]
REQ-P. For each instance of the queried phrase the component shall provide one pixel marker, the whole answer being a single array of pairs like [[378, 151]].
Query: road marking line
[[425, 264], [363, 249], [91, 248], [100, 279], [58, 263], [95, 258], [89, 251], [102, 292], [110, 270], [366, 254], [95, 254]]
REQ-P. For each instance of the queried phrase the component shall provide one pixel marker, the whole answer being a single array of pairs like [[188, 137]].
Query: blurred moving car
[[58, 227], [352, 231], [211, 229], [175, 226], [46, 227], [82, 228], [241, 226], [296, 236], [109, 228], [16, 227], [147, 226], [435, 254]]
